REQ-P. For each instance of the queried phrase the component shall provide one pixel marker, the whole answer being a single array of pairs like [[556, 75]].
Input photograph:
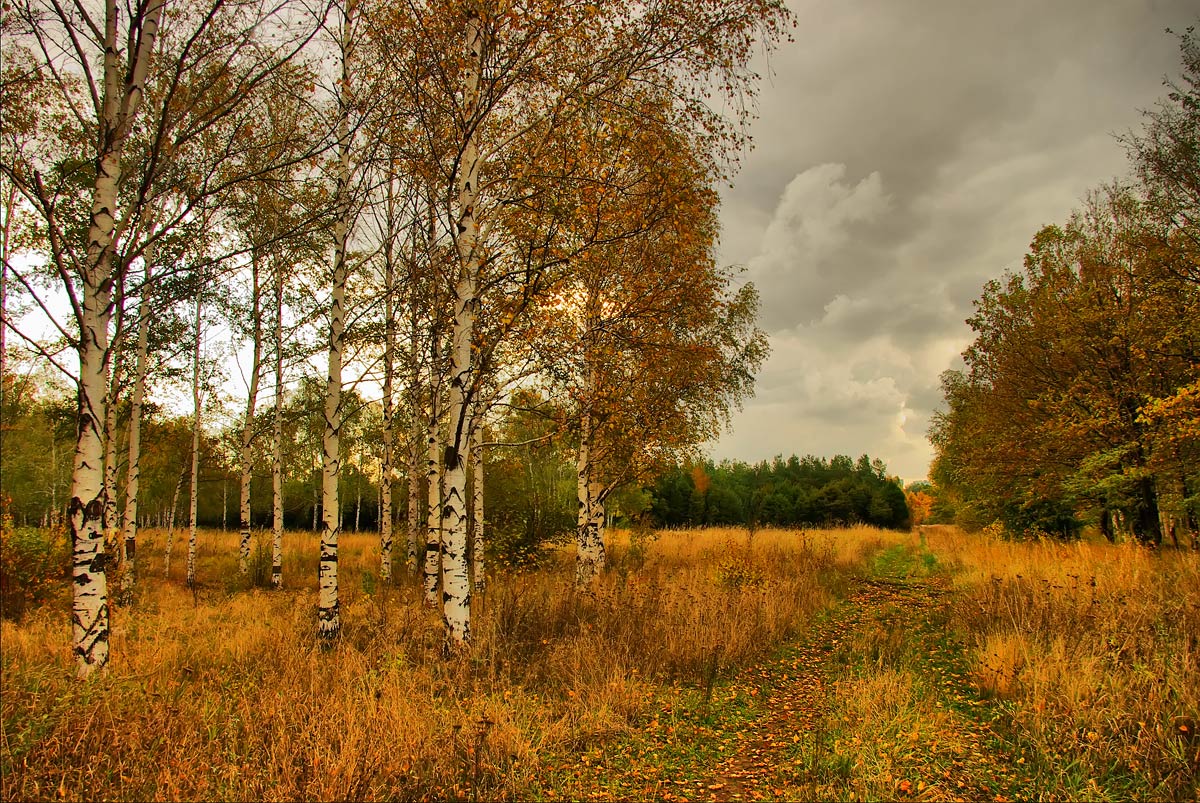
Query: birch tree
[[115, 96], [328, 613], [98, 60], [194, 496], [277, 440], [133, 461]]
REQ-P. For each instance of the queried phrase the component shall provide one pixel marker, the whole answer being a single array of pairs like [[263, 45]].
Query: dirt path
[[800, 689], [873, 702], [792, 753]]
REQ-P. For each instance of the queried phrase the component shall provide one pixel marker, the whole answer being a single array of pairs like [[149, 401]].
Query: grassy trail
[[873, 702]]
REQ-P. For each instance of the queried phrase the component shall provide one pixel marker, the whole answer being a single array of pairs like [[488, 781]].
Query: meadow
[[1081, 661]]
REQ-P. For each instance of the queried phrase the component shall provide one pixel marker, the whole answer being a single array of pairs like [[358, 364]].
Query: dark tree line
[[797, 492]]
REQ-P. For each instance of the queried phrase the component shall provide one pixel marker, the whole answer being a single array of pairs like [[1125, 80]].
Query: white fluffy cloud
[[802, 255]]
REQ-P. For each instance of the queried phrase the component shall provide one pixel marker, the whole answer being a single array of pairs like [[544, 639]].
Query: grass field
[[1082, 659]]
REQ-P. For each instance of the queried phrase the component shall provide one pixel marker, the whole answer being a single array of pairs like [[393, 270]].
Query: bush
[[34, 563]]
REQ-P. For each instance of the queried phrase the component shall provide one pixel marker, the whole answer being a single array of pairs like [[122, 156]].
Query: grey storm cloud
[[905, 153]]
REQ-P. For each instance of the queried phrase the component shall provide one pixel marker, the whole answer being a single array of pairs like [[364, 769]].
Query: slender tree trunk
[[414, 450], [247, 457], [277, 443], [389, 365], [456, 583], [589, 555], [414, 493], [328, 615], [86, 508], [193, 502], [121, 99], [183, 473], [477, 535], [133, 465], [54, 511], [10, 204], [110, 421], [1146, 525], [433, 476]]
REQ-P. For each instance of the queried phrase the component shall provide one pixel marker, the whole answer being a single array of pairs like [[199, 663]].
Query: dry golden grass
[[221, 693], [1094, 651], [1088, 651]]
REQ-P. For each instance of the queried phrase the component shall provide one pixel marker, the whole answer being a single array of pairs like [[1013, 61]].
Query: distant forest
[[797, 492]]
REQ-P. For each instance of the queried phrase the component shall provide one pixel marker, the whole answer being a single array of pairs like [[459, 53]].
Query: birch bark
[[133, 464], [121, 98], [433, 476], [328, 614], [456, 583], [194, 496], [386, 471], [590, 554], [277, 442], [110, 420], [477, 535], [247, 456], [414, 485], [183, 473]]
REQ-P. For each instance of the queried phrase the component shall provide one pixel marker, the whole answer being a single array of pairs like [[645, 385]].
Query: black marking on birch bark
[[85, 652], [95, 508], [130, 548]]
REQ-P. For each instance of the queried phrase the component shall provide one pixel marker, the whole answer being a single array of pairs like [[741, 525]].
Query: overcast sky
[[906, 151]]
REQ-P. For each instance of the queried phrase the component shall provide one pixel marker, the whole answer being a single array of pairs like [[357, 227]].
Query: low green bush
[[34, 563]]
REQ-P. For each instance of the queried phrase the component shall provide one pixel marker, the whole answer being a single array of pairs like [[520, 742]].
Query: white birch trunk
[[590, 554], [277, 443], [121, 99], [414, 452], [386, 470], [477, 536], [10, 203], [89, 613], [328, 614], [196, 425], [456, 582], [433, 476], [133, 467], [414, 492], [183, 473], [247, 456], [110, 437]]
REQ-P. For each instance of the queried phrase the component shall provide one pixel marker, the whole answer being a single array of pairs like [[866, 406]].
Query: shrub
[[33, 564]]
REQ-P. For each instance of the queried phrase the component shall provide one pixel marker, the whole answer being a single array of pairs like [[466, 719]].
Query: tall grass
[[1093, 651], [1087, 653], [220, 692]]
